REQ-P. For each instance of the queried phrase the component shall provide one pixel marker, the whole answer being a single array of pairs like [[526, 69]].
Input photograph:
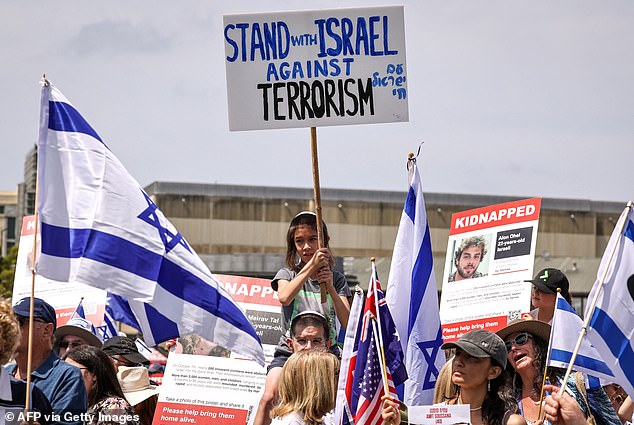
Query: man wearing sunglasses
[[61, 383], [76, 332]]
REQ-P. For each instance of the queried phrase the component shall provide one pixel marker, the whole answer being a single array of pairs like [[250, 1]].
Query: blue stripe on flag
[[102, 247], [125, 255], [120, 310], [581, 361], [562, 304], [162, 327], [410, 204], [616, 341], [629, 230], [63, 117], [423, 267]]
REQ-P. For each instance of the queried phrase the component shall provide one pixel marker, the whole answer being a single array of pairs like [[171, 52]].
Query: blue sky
[[525, 98]]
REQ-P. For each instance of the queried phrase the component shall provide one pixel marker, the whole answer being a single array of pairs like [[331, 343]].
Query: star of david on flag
[[412, 297], [100, 228]]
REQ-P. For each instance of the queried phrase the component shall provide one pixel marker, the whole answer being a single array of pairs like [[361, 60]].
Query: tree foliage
[[7, 272]]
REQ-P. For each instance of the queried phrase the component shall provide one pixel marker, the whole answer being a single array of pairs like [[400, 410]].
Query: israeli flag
[[611, 326], [567, 326], [108, 329], [100, 228], [412, 297]]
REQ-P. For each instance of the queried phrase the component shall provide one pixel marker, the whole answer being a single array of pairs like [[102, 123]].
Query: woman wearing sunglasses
[[526, 342], [478, 372]]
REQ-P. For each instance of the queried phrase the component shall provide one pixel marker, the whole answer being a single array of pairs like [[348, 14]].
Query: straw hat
[[534, 327], [135, 383]]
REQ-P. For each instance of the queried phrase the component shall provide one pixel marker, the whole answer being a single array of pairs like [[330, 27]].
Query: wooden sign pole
[[317, 191]]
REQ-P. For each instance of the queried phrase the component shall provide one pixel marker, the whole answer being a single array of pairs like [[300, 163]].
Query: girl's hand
[[319, 260], [324, 276]]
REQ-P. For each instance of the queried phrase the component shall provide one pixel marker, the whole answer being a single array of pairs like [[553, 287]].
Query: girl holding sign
[[298, 288]]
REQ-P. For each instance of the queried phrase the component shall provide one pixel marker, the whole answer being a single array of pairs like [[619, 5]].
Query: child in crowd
[[298, 285], [307, 390]]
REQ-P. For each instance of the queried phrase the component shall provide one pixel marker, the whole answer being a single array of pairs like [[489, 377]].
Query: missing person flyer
[[208, 390], [490, 254]]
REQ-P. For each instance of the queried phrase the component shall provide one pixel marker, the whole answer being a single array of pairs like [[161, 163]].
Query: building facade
[[8, 220], [241, 229]]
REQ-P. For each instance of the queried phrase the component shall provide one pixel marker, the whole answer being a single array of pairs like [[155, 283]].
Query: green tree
[[7, 272]]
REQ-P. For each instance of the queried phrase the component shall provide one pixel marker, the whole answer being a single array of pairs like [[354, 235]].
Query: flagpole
[[378, 318], [381, 352], [29, 353], [410, 161], [586, 320], [379, 332], [548, 352], [317, 192]]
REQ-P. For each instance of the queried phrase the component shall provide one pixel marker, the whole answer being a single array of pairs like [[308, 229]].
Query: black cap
[[126, 347], [41, 310], [480, 344], [549, 280]]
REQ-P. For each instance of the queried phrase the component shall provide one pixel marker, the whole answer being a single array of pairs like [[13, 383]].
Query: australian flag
[[368, 379]]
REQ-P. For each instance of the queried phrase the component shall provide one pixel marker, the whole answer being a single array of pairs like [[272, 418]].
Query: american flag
[[367, 385]]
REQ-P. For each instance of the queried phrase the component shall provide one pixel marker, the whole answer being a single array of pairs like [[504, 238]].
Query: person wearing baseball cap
[[61, 383], [546, 284], [309, 330], [123, 351], [479, 372], [77, 331], [13, 391]]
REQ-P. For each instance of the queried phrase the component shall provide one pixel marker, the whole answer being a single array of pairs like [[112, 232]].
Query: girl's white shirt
[[297, 419]]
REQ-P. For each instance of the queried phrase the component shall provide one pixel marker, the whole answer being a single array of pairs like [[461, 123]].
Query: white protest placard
[[439, 415], [201, 389], [316, 68], [490, 254], [63, 296]]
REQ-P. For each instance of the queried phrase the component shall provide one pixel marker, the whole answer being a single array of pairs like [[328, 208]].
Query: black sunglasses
[[71, 345], [520, 339]]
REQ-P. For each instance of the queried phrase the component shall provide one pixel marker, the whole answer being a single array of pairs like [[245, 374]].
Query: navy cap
[[41, 310]]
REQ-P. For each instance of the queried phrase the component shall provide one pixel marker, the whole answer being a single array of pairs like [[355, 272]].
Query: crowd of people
[[76, 379], [502, 376]]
